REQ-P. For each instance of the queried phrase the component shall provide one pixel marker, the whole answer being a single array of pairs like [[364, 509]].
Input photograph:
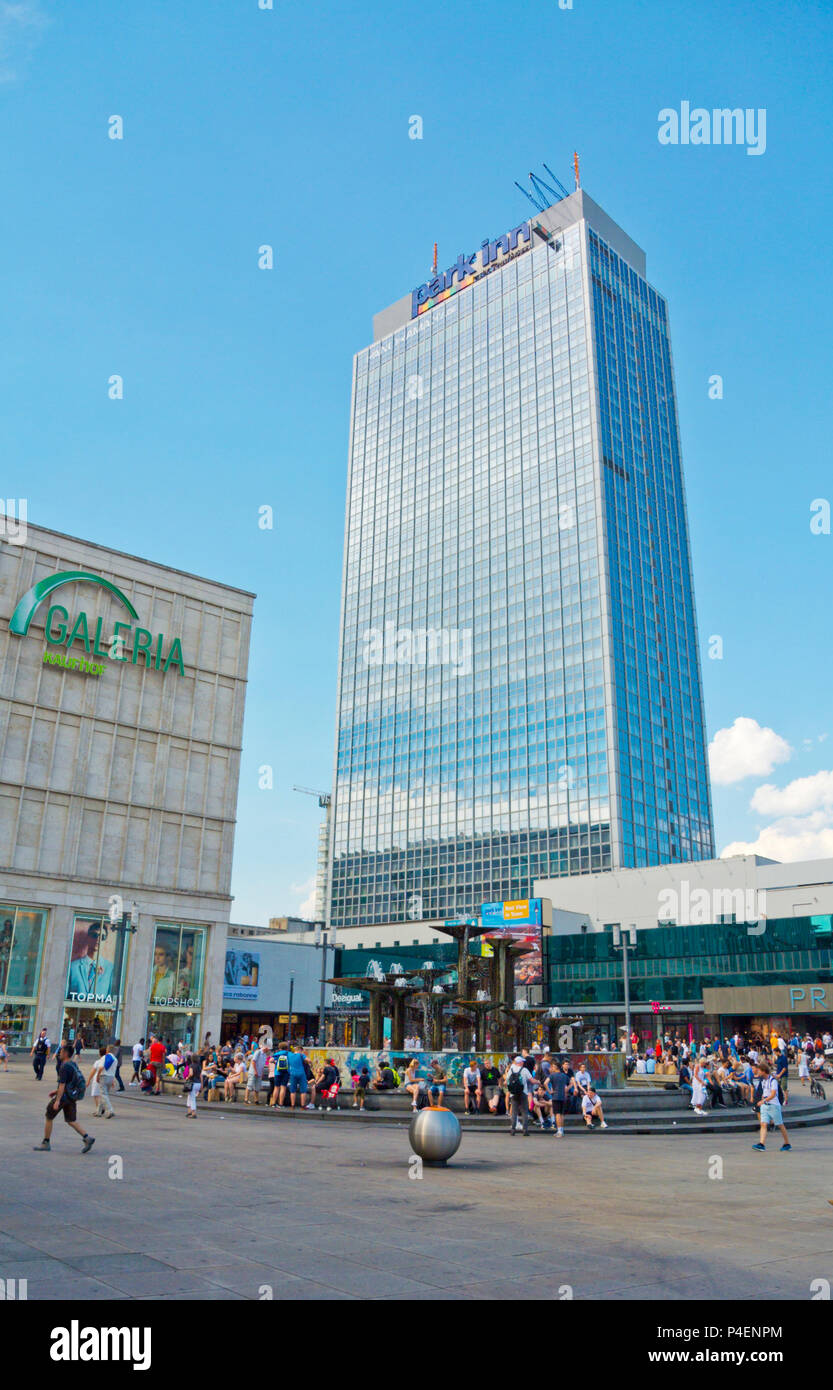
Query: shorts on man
[[67, 1108]]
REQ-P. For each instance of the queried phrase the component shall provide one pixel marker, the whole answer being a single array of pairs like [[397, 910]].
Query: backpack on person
[[514, 1084], [76, 1087]]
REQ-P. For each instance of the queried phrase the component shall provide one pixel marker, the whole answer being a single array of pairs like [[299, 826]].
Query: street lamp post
[[621, 941], [291, 997], [321, 943], [122, 923]]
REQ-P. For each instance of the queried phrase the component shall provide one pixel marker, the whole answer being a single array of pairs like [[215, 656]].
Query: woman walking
[[192, 1085], [98, 1092]]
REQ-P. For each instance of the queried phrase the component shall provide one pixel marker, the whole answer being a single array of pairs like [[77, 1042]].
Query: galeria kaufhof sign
[[128, 642]]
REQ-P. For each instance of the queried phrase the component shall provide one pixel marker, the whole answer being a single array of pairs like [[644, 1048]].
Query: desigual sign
[[128, 642]]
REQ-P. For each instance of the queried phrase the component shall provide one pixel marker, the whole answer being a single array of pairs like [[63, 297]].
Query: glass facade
[[664, 809], [670, 966], [486, 696], [22, 931], [176, 982], [675, 964], [176, 975]]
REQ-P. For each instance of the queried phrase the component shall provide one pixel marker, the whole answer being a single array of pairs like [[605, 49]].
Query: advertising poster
[[95, 962], [176, 973], [522, 919], [242, 974]]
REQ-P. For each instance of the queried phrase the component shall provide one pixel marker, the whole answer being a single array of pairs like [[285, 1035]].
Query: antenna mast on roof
[[575, 169], [543, 194]]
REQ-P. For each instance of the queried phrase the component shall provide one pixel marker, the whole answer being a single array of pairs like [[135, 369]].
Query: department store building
[[122, 691]]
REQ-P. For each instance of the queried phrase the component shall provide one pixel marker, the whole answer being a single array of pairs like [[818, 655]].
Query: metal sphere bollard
[[435, 1134]]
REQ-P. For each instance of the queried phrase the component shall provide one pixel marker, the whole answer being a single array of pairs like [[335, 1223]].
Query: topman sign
[[129, 641], [470, 268]]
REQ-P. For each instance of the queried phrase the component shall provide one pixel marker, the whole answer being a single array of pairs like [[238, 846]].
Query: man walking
[[116, 1051], [156, 1062], [138, 1058], [64, 1100], [769, 1104], [519, 1083], [39, 1053]]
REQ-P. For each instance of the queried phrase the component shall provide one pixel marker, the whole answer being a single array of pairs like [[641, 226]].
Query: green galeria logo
[[128, 642]]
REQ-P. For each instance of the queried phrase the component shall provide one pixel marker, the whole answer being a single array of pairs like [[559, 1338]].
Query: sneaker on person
[[604, 1124], [761, 1147], [786, 1148]]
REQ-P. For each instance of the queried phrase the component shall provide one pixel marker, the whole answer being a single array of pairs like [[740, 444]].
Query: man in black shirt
[[40, 1053], [489, 1082], [62, 1103], [560, 1085]]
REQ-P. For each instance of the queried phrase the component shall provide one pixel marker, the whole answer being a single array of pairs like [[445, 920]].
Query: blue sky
[[245, 126]]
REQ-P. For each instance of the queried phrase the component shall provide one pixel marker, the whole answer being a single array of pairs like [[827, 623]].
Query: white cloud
[[745, 750], [307, 907], [798, 798], [21, 25], [789, 839]]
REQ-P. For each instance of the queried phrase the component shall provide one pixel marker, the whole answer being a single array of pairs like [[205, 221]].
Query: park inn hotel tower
[[519, 692]]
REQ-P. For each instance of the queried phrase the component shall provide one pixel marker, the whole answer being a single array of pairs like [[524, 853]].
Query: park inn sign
[[128, 641]]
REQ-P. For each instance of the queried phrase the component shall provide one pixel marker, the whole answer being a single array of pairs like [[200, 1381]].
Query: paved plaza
[[233, 1205]]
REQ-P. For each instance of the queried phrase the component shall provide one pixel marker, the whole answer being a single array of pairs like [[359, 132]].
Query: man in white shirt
[[519, 1086], [471, 1087], [591, 1108], [582, 1079], [138, 1055]]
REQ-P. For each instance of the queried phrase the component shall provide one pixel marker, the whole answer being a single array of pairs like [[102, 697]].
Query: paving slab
[[320, 1212]]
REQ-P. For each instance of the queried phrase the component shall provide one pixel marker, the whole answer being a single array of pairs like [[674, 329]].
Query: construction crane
[[324, 798], [323, 866]]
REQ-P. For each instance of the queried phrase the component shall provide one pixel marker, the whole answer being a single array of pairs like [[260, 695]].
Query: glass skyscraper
[[519, 689]]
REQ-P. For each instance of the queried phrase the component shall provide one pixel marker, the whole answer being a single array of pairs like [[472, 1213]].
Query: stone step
[[798, 1115]]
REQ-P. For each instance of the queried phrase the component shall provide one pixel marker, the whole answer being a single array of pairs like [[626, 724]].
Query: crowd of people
[[535, 1087], [749, 1071]]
